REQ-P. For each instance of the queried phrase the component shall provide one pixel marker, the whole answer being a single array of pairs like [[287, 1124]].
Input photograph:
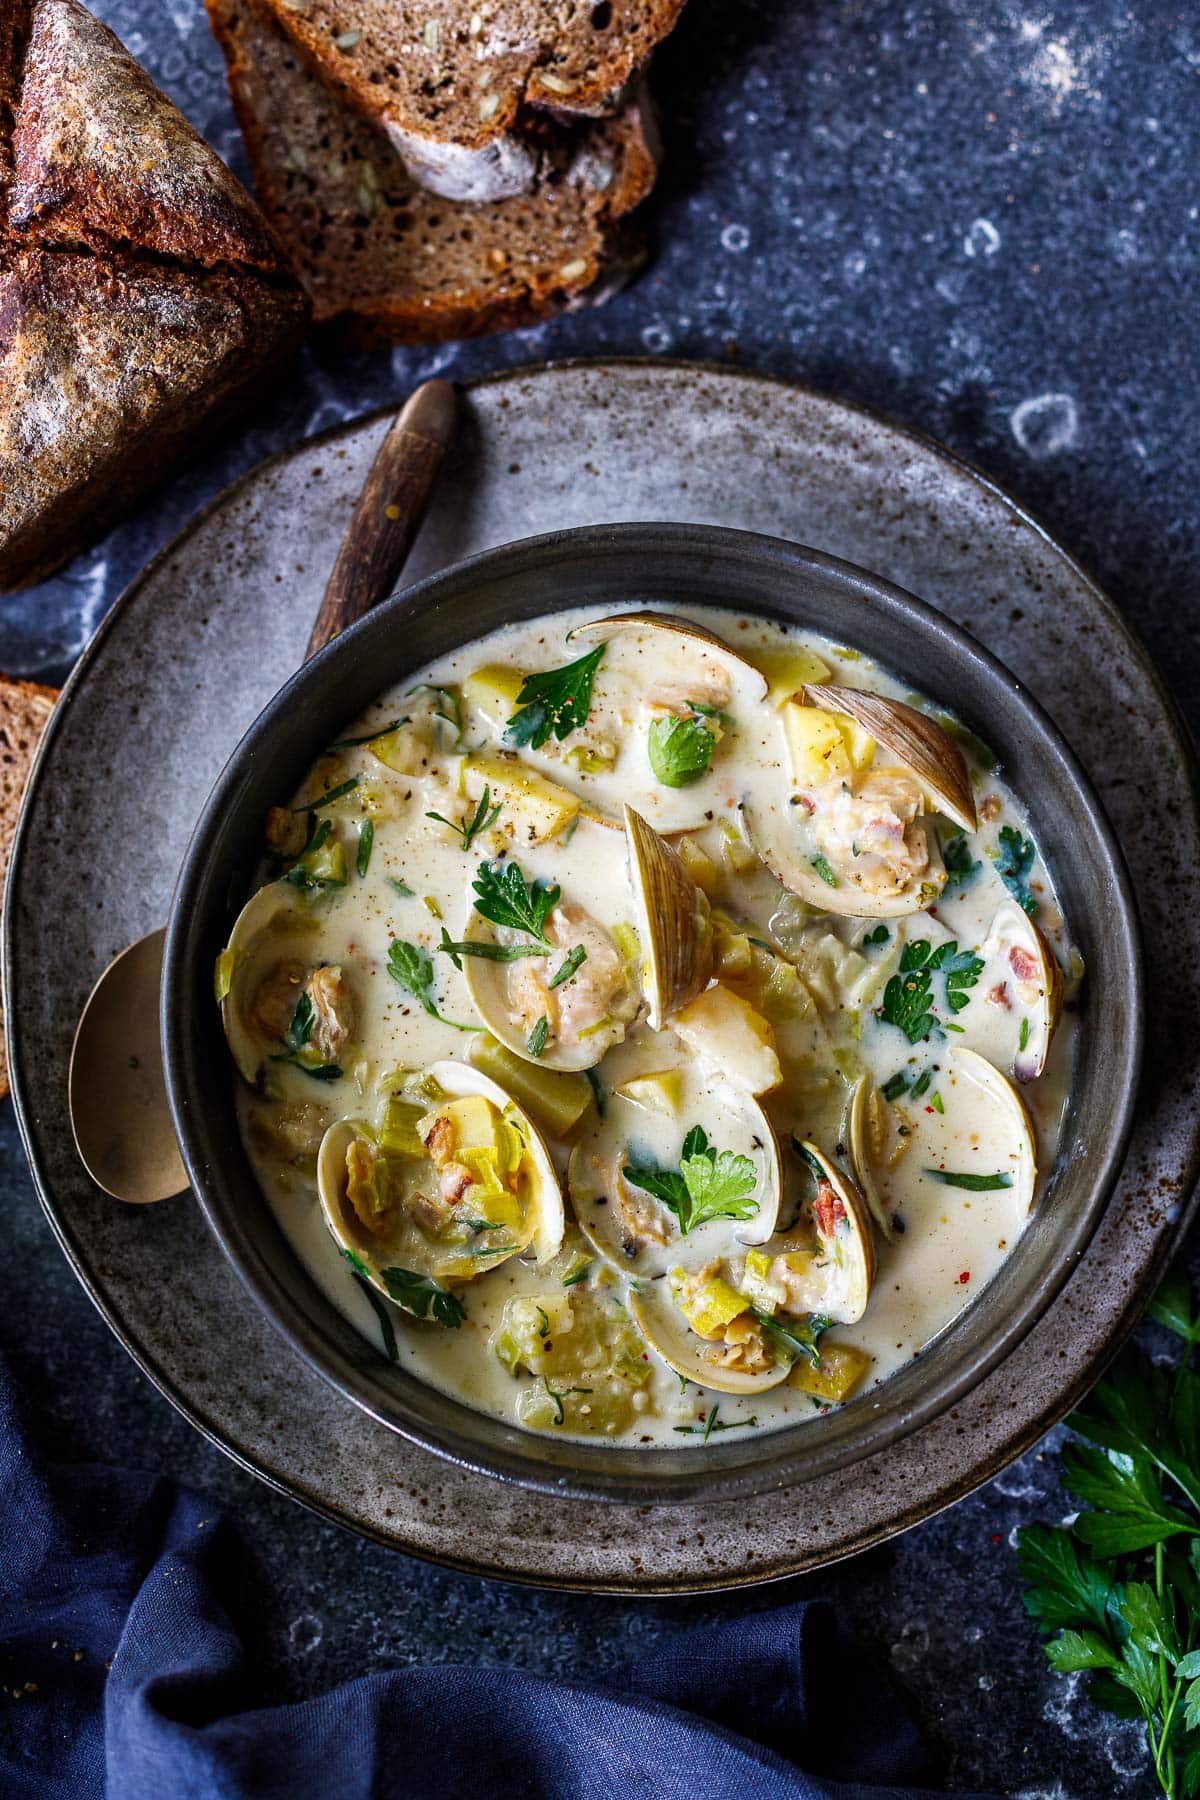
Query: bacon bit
[[998, 996], [1023, 964], [964, 1278], [828, 1210]]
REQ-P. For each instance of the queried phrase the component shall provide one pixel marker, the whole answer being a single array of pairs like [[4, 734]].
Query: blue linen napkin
[[121, 1675]]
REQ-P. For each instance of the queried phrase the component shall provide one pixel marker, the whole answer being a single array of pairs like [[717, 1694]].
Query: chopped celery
[[554, 1099]]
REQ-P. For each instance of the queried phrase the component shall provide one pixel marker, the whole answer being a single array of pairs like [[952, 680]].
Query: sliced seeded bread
[[452, 81], [141, 290], [24, 711], [388, 259]]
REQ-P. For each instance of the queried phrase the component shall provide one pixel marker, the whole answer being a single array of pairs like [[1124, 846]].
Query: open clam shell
[[980, 1138], [867, 1135], [1021, 965], [627, 1226], [667, 1331], [777, 835], [273, 932], [402, 1240], [674, 629], [658, 666], [842, 1221], [586, 1014], [672, 920], [914, 739]]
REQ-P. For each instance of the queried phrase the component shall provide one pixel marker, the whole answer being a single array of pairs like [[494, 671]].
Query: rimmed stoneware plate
[[203, 639]]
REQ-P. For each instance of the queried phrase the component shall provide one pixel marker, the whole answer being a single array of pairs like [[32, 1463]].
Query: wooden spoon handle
[[389, 511]]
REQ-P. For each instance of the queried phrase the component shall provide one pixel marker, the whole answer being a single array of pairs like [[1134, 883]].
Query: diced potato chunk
[[554, 1099], [787, 670], [823, 744], [722, 1027], [534, 809], [406, 750], [841, 1368], [710, 1307], [492, 692], [659, 1090]]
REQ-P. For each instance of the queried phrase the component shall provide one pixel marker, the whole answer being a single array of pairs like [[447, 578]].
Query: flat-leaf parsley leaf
[[554, 702], [707, 1184], [503, 896], [412, 969]]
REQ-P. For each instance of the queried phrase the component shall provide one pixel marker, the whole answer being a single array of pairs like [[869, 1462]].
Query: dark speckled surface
[[981, 218]]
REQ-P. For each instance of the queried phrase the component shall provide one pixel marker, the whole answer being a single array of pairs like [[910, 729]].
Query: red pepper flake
[[964, 1277], [929, 1109], [995, 1537]]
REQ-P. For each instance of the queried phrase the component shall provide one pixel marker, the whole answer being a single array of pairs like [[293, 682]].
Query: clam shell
[[543, 1225], [1029, 962], [861, 1136], [667, 1331], [671, 625], [272, 927], [849, 1245], [594, 1181], [995, 1089], [672, 920], [487, 984], [658, 656], [914, 739], [774, 837]]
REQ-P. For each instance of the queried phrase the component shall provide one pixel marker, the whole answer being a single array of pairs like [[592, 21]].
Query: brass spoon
[[116, 1091]]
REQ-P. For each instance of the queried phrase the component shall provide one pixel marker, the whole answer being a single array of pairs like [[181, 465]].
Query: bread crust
[[25, 708], [142, 293], [384, 260]]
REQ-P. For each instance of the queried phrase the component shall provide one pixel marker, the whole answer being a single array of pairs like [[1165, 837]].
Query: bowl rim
[[711, 1480]]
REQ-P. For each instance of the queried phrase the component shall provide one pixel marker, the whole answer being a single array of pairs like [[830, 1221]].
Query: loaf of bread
[[388, 259], [142, 292], [25, 710], [453, 82]]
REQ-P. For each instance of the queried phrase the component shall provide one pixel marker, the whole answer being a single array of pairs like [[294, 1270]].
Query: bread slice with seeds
[[25, 709], [452, 82], [390, 260]]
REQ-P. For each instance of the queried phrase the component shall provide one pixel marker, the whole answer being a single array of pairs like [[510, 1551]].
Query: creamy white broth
[[826, 988]]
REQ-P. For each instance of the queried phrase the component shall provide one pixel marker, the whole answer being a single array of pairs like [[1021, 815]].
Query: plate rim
[[992, 1462]]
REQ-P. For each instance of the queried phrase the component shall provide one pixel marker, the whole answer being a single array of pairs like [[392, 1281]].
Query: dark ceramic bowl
[[619, 566]]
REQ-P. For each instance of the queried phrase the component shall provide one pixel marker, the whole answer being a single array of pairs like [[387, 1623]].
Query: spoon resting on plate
[[116, 1092]]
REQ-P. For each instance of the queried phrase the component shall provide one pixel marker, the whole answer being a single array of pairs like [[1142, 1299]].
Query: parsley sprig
[[908, 997], [1014, 861], [503, 896], [707, 1184], [554, 702], [1117, 1592], [412, 969], [484, 816]]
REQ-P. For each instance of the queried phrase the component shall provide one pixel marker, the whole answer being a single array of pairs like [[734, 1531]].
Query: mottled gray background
[[984, 219]]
